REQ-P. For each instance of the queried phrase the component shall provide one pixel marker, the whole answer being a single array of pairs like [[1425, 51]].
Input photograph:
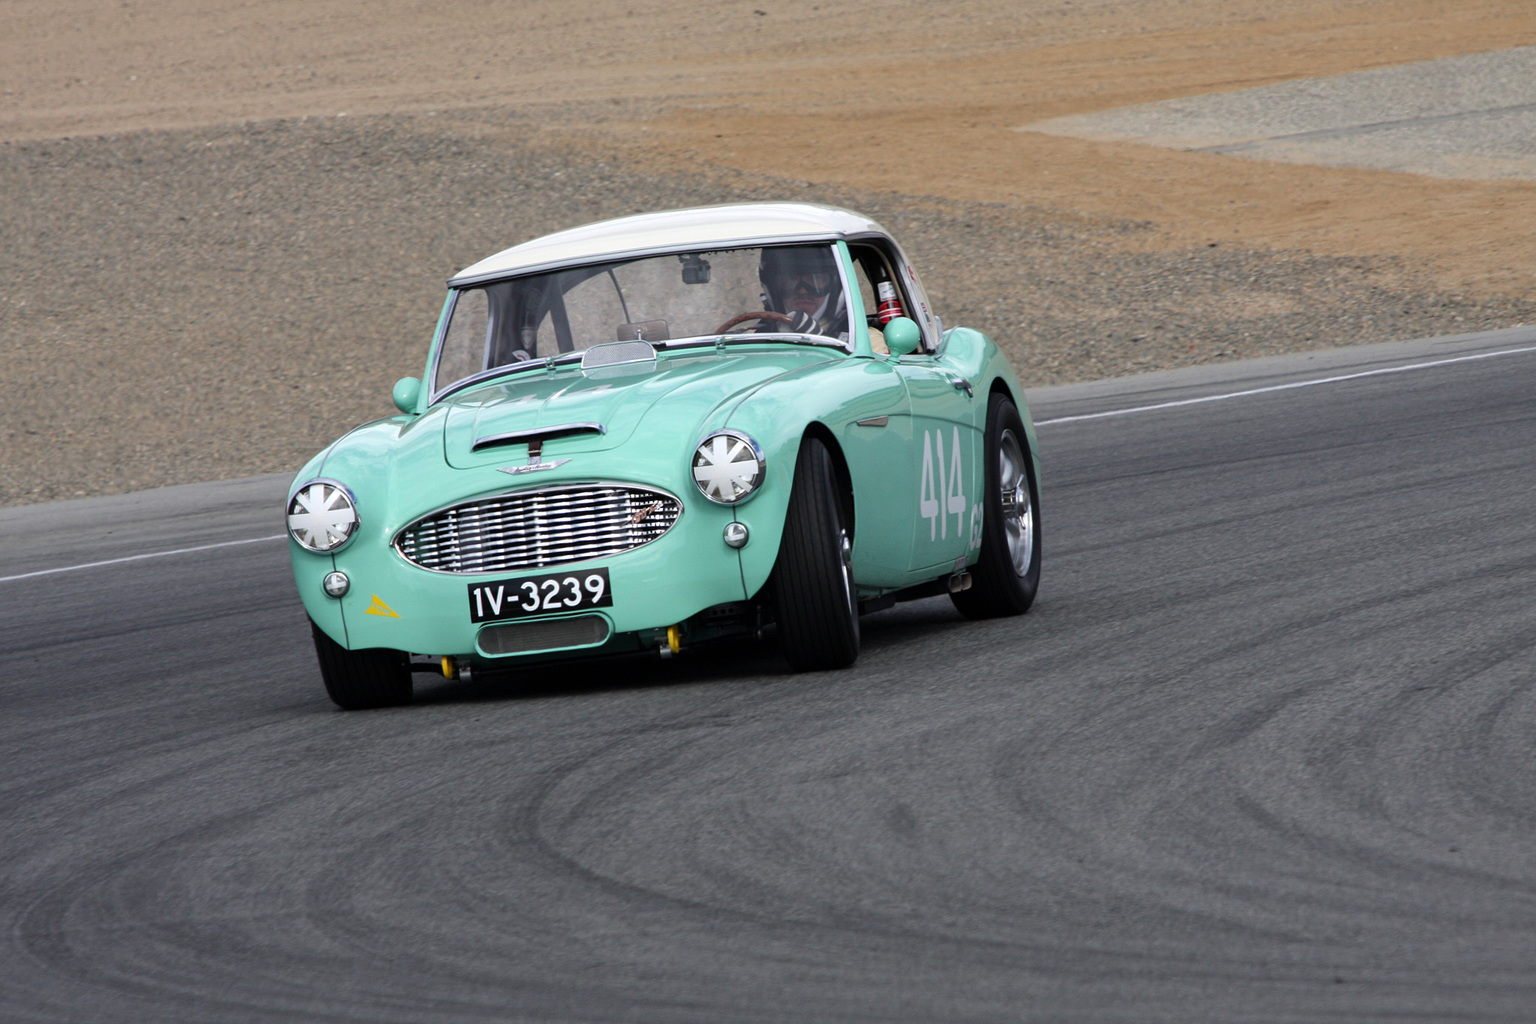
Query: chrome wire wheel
[[1018, 521], [1006, 572]]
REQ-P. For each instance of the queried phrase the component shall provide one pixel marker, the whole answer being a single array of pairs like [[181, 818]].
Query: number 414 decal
[[942, 494]]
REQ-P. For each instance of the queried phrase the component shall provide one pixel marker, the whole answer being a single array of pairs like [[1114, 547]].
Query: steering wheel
[[741, 318]]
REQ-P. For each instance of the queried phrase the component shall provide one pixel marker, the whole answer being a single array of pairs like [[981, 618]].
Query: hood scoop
[[536, 436]]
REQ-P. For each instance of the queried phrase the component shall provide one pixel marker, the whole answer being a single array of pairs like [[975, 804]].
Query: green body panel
[[884, 463], [404, 467], [836, 397], [948, 477]]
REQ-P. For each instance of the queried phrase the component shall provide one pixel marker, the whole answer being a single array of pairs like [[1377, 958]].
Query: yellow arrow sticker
[[380, 608]]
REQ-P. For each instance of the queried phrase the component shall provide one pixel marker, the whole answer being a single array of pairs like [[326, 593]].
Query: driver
[[802, 281]]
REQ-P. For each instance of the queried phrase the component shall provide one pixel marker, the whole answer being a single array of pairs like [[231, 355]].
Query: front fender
[[830, 399]]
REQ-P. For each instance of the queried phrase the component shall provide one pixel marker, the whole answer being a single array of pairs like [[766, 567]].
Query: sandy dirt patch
[[909, 97]]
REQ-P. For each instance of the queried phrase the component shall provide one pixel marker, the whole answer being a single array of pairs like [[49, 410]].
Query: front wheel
[[818, 608], [371, 678], [1006, 576]]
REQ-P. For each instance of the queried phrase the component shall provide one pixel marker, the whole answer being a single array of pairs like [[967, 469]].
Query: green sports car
[[664, 430]]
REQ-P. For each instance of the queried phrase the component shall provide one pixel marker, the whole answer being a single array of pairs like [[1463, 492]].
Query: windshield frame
[[456, 291]]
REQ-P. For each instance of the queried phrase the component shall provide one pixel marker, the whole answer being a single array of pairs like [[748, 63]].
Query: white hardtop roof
[[698, 228]]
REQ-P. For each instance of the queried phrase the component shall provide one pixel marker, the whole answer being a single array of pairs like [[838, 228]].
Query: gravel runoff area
[[202, 304]]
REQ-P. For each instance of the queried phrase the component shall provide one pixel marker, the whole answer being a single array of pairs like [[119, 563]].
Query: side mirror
[[902, 336], [407, 393]]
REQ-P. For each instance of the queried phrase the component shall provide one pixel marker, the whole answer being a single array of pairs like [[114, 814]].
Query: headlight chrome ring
[[728, 467], [322, 516]]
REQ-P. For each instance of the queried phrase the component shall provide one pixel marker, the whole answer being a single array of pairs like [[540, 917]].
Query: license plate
[[539, 595]]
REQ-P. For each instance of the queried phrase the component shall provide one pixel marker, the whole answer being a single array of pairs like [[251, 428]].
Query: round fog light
[[736, 535], [336, 584]]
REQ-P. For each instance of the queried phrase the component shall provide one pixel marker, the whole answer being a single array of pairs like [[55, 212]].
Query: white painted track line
[[139, 558], [1106, 414], [1227, 396]]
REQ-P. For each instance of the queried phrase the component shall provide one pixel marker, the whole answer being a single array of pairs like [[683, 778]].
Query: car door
[[877, 444], [947, 444], [945, 459]]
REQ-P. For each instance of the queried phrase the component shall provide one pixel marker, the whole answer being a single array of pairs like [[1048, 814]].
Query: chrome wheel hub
[[1018, 520], [845, 556]]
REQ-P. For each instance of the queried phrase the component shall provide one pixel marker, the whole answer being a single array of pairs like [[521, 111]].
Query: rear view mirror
[[902, 336], [695, 269]]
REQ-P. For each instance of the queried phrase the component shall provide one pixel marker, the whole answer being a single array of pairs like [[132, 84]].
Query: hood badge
[[535, 460]]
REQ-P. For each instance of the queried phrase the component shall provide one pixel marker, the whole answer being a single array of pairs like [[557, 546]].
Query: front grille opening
[[543, 635], [535, 529]]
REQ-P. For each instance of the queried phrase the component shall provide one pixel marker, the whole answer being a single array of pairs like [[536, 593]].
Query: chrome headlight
[[728, 467], [322, 516]]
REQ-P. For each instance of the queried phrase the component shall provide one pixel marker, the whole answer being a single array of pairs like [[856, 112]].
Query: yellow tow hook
[[674, 641], [449, 668]]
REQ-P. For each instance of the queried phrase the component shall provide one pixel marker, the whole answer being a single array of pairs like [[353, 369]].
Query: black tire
[[1007, 574], [372, 678], [818, 608]]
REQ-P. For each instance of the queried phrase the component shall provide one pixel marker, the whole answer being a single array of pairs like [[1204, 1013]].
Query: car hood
[[678, 393]]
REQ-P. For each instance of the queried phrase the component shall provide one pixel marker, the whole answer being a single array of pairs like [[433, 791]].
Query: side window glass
[[463, 351], [885, 293], [861, 276], [867, 294], [916, 298]]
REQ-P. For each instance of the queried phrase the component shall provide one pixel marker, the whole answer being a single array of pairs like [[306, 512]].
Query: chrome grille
[[535, 529]]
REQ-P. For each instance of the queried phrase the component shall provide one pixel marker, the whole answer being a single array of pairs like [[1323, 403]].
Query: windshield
[[790, 290]]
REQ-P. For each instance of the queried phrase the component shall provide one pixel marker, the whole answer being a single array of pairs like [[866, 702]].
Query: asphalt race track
[[1263, 751]]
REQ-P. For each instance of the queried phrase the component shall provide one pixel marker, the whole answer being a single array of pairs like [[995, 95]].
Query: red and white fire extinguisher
[[890, 306]]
